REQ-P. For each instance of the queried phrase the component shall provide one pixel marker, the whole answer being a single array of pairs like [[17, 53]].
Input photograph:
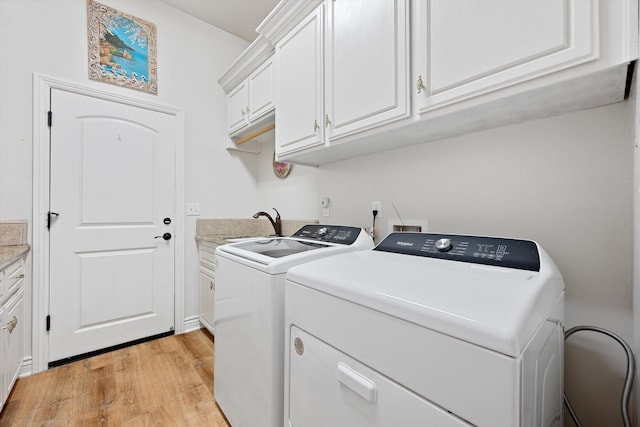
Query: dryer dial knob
[[444, 245]]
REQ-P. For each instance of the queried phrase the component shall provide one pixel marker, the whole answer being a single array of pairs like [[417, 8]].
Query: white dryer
[[249, 317], [426, 329]]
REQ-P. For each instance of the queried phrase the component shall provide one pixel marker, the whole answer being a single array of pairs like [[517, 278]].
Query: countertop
[[9, 253], [221, 239], [219, 231]]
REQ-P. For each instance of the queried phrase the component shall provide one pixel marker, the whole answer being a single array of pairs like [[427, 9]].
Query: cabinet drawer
[[208, 256], [13, 276]]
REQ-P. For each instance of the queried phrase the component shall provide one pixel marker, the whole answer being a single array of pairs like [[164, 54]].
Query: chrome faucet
[[277, 224]]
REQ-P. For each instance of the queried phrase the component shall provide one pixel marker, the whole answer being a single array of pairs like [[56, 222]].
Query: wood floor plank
[[165, 382]]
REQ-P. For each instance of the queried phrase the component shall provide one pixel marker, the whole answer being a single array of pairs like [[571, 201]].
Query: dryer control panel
[[501, 252]]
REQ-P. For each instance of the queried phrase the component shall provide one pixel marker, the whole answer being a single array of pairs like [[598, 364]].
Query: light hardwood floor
[[165, 382]]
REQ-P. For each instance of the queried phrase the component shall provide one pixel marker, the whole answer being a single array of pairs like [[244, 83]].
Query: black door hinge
[[49, 118], [49, 215], [48, 322]]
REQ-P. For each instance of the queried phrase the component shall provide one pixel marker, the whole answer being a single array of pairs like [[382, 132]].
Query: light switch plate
[[193, 209]]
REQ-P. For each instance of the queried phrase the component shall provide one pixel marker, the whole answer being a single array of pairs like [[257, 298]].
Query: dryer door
[[329, 388]]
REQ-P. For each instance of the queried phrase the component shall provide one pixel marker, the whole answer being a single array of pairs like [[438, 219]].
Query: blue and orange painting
[[124, 48]]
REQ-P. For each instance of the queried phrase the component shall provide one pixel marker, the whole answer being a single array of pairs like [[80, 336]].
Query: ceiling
[[238, 17]]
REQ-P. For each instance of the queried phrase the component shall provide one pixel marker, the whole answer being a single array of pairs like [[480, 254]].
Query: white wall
[[296, 196], [564, 181], [50, 37]]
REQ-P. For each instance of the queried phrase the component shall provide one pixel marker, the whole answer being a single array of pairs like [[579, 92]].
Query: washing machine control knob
[[444, 245]]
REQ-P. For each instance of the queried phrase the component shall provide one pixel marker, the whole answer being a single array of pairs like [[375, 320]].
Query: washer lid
[[494, 307], [276, 255], [278, 247]]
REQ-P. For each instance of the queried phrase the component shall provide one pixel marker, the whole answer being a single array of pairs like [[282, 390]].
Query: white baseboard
[[192, 324], [27, 367]]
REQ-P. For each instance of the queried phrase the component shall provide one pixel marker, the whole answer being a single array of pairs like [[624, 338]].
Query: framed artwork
[[122, 48]]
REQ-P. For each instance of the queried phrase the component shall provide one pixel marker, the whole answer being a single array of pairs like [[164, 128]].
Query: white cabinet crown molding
[[284, 17], [249, 60]]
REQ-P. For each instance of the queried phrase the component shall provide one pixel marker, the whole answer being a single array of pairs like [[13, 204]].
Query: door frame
[[42, 86]]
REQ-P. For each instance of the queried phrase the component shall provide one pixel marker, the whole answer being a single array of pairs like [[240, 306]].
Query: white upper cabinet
[[366, 65], [354, 77], [237, 103], [341, 71], [300, 85], [248, 83], [260, 84], [468, 47], [251, 99]]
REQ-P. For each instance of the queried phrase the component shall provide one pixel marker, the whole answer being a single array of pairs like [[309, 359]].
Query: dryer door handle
[[357, 382]]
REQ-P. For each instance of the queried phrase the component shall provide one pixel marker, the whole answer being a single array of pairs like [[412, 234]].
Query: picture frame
[[122, 48]]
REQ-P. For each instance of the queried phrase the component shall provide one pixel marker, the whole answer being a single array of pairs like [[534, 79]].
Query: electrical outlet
[[375, 206], [325, 203]]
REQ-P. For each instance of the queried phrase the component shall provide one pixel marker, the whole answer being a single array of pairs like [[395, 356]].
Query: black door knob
[[165, 236]]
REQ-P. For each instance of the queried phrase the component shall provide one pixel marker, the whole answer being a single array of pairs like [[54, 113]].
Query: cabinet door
[[207, 294], [237, 102], [12, 338], [469, 47], [367, 63], [261, 91], [299, 86]]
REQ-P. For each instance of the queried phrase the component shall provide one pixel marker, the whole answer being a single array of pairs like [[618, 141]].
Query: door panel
[[126, 293], [112, 183], [104, 143]]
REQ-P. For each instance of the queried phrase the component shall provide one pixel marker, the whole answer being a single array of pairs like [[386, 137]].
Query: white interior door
[[112, 182]]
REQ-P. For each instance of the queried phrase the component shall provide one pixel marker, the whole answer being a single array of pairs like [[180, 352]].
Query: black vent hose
[[628, 382]]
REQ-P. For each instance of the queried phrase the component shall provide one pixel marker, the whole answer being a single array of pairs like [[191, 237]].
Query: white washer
[[249, 317], [426, 329]]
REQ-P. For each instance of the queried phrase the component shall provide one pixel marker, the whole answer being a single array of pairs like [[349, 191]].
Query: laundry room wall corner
[[191, 55]]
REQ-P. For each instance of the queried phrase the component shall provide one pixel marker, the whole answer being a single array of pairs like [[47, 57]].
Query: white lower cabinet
[[11, 326], [12, 339], [207, 292], [207, 284]]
